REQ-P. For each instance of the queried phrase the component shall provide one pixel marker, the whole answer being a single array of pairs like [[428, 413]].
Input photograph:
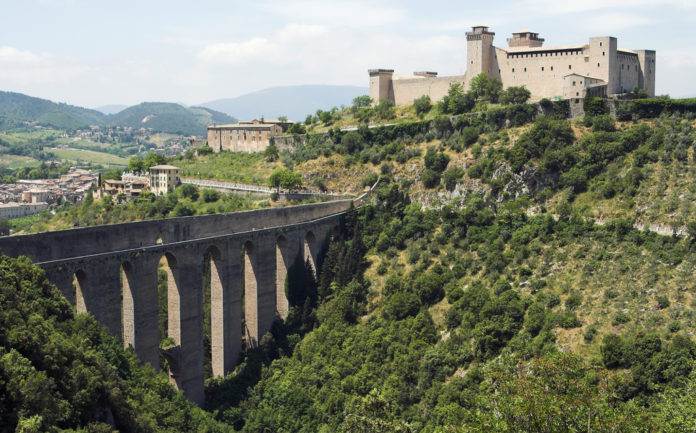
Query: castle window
[[552, 68], [603, 53], [513, 69], [542, 68], [472, 62], [600, 44], [598, 64], [573, 83], [525, 69], [570, 66], [577, 93]]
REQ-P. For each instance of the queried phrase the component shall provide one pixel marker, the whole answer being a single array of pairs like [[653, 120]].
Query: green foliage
[[60, 371], [650, 108], [482, 87], [422, 105], [451, 176], [362, 101], [286, 179], [457, 101], [515, 95], [430, 178], [595, 106], [385, 109]]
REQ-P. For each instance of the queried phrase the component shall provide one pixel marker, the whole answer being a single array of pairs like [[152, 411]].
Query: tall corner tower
[[602, 62], [381, 85], [479, 51], [646, 59]]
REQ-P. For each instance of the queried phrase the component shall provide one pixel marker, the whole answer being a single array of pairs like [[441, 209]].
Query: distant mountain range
[[293, 102], [16, 108]]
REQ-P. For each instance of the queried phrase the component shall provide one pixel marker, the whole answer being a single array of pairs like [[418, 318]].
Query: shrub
[[370, 179], [210, 195], [430, 178], [620, 319], [603, 122], [613, 350], [422, 105], [589, 334], [662, 302], [451, 177], [569, 320]]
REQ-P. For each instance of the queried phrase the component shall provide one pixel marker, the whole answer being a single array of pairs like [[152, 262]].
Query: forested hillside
[[495, 281], [16, 109]]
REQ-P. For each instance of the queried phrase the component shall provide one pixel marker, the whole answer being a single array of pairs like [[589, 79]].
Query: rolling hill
[[17, 108], [294, 102], [168, 117]]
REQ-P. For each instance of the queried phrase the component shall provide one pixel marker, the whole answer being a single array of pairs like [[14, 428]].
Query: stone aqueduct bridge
[[116, 267]]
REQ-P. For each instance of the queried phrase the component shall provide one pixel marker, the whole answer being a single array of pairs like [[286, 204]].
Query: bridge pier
[[99, 293], [185, 287], [140, 309], [63, 279], [225, 307], [259, 287]]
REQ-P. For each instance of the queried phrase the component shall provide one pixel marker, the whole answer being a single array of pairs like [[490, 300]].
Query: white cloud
[[611, 22], [12, 55], [564, 7], [337, 13], [240, 52]]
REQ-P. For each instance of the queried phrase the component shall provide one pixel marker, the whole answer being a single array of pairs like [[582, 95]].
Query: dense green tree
[[515, 95]]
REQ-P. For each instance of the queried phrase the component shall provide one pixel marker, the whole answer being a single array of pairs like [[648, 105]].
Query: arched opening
[[169, 310], [213, 314], [250, 325], [127, 305], [310, 250], [282, 264], [159, 241], [80, 286]]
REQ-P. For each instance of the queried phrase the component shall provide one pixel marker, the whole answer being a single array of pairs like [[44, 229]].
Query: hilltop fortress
[[561, 72]]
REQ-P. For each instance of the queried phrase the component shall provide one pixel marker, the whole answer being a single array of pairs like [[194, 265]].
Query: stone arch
[[214, 318], [80, 285], [128, 304], [249, 295], [311, 249], [283, 262], [173, 298]]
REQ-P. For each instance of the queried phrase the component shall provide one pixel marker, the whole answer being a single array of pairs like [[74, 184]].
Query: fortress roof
[[517, 50]]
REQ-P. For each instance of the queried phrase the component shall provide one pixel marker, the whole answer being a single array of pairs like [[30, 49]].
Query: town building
[[254, 136], [19, 210], [163, 179], [556, 72], [72, 186]]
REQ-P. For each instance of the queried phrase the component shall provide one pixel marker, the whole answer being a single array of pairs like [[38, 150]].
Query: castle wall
[[406, 90], [541, 72]]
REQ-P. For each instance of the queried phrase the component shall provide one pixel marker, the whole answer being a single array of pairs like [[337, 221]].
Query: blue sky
[[98, 52]]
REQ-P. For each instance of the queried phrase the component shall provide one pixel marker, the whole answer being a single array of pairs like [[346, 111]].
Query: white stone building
[[560, 72]]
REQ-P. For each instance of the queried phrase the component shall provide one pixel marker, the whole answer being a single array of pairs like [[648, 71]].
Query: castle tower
[[646, 60], [602, 63], [479, 52], [381, 85]]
